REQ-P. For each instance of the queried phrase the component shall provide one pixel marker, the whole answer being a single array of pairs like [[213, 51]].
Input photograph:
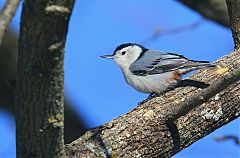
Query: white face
[[126, 56]]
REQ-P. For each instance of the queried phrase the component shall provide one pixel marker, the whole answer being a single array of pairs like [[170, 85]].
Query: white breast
[[149, 84]]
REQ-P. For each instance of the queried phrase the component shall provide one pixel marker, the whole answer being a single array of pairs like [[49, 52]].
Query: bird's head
[[125, 54]]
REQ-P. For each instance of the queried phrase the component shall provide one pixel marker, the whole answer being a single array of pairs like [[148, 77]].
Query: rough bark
[[234, 14], [143, 132], [215, 10], [39, 94]]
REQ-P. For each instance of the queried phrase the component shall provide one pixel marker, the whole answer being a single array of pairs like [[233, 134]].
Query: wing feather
[[155, 62]]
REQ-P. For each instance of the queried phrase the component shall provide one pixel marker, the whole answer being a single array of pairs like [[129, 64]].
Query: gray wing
[[155, 62]]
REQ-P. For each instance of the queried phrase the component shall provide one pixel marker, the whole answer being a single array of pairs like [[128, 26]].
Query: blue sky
[[97, 87]]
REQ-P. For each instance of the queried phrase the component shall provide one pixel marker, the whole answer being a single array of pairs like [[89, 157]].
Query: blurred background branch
[[6, 15], [215, 10], [233, 138], [234, 14], [158, 32], [8, 70]]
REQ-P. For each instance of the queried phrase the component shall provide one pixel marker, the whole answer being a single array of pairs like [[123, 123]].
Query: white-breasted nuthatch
[[151, 71]]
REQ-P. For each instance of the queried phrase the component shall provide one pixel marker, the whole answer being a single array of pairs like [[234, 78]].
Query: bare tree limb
[[39, 90], [215, 10], [174, 112], [163, 126], [234, 14], [143, 132], [6, 16]]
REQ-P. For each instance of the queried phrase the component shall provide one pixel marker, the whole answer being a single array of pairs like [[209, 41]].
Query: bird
[[152, 71]]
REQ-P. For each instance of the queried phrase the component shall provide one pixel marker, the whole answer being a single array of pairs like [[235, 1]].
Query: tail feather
[[203, 64], [196, 65], [198, 61]]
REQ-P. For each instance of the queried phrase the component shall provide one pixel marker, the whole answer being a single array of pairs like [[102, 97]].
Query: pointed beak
[[107, 56]]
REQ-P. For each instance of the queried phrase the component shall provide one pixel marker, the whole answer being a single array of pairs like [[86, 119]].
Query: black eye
[[124, 52]]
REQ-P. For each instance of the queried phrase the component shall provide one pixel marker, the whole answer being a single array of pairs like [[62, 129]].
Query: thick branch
[[174, 112], [215, 10], [144, 133], [147, 131], [39, 94], [6, 16], [234, 14]]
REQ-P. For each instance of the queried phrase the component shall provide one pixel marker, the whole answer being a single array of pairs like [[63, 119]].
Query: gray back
[[155, 62]]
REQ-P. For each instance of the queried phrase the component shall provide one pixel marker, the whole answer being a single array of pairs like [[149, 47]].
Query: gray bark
[[143, 132], [39, 95]]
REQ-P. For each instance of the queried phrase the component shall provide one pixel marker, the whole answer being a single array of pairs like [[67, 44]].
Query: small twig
[[201, 97], [6, 16], [229, 137], [234, 14], [172, 31]]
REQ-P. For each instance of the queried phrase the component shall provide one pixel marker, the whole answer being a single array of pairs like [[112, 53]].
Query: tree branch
[[39, 90], [234, 14], [144, 132], [215, 10], [174, 112], [6, 16], [163, 126]]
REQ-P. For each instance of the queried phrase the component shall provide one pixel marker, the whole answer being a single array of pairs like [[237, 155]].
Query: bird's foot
[[152, 95]]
